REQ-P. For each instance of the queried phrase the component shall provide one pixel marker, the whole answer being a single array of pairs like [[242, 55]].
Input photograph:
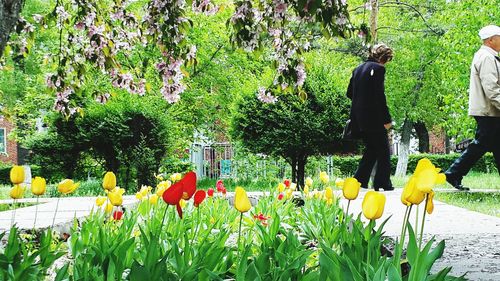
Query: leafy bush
[[348, 164], [5, 172]]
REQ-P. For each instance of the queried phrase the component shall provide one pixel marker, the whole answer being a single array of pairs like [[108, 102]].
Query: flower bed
[[209, 239]]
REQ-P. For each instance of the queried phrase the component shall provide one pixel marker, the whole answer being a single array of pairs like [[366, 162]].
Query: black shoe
[[456, 183], [390, 188]]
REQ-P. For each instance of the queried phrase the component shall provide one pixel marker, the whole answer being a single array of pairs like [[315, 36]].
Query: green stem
[[239, 230], [403, 227], [55, 213], [36, 212], [370, 226], [348, 204], [13, 213], [423, 221], [196, 228], [416, 221]]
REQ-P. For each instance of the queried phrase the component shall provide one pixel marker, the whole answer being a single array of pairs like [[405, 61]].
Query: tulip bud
[[153, 199], [38, 186], [199, 196], [109, 181], [309, 182], [351, 188], [287, 183], [373, 205], [241, 201], [210, 192], [17, 174], [280, 196], [17, 192], [117, 215]]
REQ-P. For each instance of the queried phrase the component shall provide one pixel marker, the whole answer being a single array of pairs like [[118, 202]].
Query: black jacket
[[369, 110]]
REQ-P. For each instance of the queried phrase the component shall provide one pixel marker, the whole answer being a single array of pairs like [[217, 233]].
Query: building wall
[[11, 146], [437, 141]]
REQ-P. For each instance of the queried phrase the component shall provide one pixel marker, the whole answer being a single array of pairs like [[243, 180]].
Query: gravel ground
[[476, 255]]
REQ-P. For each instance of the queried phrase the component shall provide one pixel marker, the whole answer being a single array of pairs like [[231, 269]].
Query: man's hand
[[387, 126]]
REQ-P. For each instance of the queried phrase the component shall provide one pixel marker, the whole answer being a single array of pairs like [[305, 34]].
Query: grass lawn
[[483, 202], [472, 180], [6, 207]]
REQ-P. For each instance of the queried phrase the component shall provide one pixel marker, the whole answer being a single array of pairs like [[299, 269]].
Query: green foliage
[[128, 134], [18, 261]]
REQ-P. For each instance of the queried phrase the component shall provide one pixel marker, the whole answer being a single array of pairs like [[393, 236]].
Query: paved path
[[68, 209], [472, 239]]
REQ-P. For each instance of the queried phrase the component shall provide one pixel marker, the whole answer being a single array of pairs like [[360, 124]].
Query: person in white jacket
[[484, 106]]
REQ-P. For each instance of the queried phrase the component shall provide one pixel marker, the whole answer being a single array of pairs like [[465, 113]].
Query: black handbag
[[350, 131]]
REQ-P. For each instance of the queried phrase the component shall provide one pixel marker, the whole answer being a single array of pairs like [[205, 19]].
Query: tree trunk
[[373, 20], [9, 15], [423, 137], [294, 169], [301, 165], [404, 148]]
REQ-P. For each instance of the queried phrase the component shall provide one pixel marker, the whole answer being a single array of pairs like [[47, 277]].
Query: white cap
[[489, 31]]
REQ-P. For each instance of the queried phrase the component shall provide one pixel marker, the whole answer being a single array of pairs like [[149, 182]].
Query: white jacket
[[484, 87]]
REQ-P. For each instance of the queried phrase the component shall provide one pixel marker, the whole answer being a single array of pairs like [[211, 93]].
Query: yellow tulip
[[116, 196], [328, 193], [306, 190], [241, 201], [100, 201], [183, 203], [411, 195], [108, 208], [373, 205], [109, 181], [309, 182], [339, 182], [441, 178], [17, 192], [67, 186], [423, 164], [160, 190], [317, 194], [329, 201], [139, 196], [430, 203], [350, 188], [289, 193], [17, 174], [324, 178], [153, 199], [426, 179], [281, 187], [38, 186], [175, 177]]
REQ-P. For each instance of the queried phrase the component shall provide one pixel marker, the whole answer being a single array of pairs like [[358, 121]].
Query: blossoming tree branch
[[142, 46]]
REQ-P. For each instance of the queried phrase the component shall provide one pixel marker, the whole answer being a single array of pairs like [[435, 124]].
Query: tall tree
[[9, 15]]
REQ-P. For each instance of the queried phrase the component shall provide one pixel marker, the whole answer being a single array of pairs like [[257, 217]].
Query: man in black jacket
[[370, 117]]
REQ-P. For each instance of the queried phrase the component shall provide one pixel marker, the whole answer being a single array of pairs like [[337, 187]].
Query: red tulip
[[287, 183], [179, 210], [280, 196], [224, 190], [117, 215], [173, 195], [199, 196], [189, 185], [210, 192], [219, 185]]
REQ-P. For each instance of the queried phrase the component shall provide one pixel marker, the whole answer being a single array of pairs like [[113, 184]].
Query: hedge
[[5, 172], [347, 165]]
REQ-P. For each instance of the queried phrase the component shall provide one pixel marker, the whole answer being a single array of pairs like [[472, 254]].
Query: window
[[3, 141]]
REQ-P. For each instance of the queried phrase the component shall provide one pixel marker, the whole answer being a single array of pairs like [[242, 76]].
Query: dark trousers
[[487, 139], [377, 150]]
